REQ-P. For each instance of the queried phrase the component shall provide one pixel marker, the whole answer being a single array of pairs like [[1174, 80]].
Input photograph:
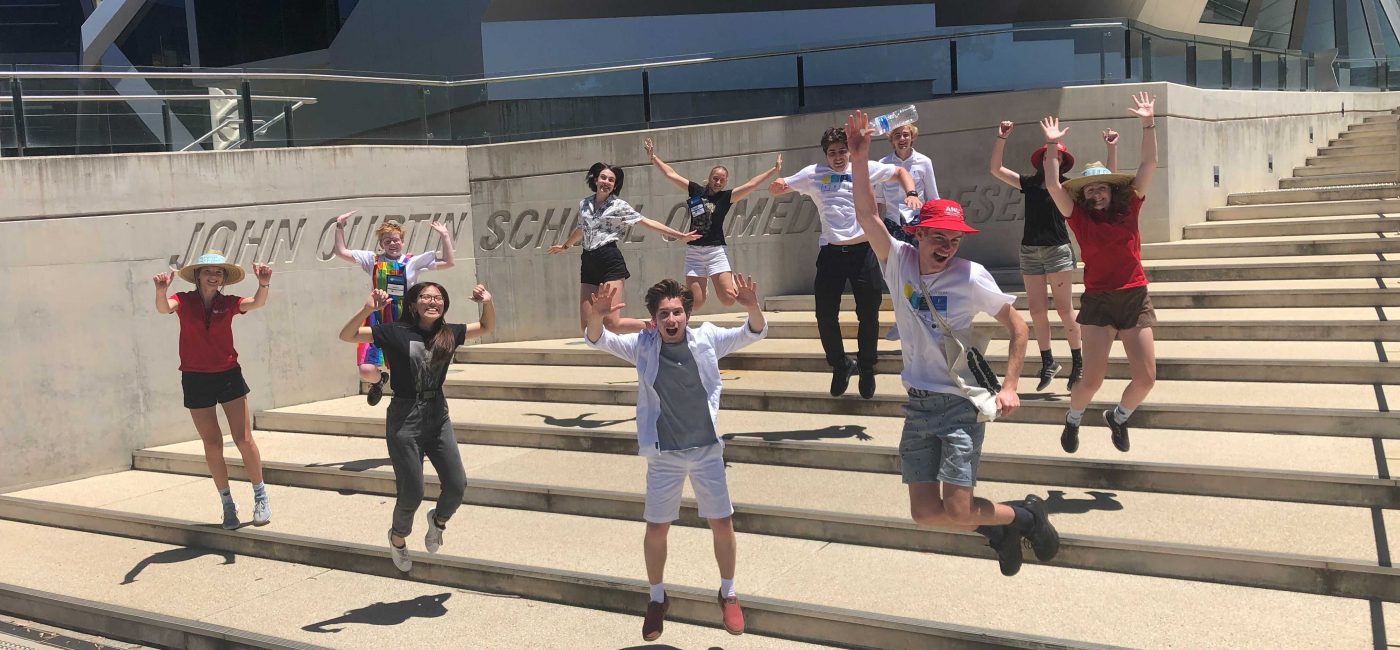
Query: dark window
[[235, 33], [1274, 24], [1225, 12]]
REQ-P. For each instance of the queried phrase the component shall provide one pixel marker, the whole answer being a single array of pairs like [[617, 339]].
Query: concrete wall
[[92, 368]]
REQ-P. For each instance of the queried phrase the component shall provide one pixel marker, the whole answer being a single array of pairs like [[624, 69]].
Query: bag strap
[[942, 322]]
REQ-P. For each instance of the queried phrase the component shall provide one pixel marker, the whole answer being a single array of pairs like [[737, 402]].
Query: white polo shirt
[[920, 167]]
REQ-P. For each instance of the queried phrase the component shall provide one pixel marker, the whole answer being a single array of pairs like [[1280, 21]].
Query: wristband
[[1153, 125], [912, 193], [1001, 137], [265, 285]]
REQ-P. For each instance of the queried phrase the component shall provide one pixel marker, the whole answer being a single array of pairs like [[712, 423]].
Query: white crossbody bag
[[967, 366]]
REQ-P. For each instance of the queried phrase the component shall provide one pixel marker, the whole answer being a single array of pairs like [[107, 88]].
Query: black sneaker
[[867, 383], [841, 377], [376, 391], [1008, 550], [1043, 537], [1076, 372], [1119, 429], [1069, 438], [1048, 372]]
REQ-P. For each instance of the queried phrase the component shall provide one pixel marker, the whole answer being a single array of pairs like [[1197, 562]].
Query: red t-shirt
[[206, 339], [1112, 251]]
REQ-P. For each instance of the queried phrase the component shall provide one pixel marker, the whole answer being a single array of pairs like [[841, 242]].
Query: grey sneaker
[[1119, 429], [1047, 373], [432, 540], [262, 512], [230, 516], [399, 555]]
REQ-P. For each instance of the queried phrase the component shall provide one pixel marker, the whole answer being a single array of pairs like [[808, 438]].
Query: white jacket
[[708, 344]]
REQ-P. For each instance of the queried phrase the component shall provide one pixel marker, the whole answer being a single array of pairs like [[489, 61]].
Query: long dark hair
[[1118, 204], [597, 168], [444, 342]]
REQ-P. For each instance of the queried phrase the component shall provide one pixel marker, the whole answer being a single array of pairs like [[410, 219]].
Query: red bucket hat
[[1038, 157], [942, 214]]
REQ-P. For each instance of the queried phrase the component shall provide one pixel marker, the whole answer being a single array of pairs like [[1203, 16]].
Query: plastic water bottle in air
[[886, 123]]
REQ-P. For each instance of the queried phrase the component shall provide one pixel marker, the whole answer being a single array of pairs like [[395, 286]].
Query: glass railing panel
[[1210, 72], [876, 75], [551, 107], [723, 90], [1038, 59], [1268, 72]]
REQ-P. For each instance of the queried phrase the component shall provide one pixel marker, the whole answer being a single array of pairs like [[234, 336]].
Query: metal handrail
[[176, 97]]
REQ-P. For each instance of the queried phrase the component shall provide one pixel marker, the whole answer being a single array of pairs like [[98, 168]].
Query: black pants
[[837, 265], [415, 429]]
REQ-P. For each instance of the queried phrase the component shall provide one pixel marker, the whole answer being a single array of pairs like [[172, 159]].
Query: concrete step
[[1304, 245], [1384, 126], [1388, 118], [1364, 136], [1331, 324], [1354, 155], [1314, 194], [1359, 148], [171, 590], [1252, 466], [810, 590], [1284, 226], [1330, 166], [1357, 178], [1305, 209], [1180, 299], [1350, 410], [1147, 531], [805, 355]]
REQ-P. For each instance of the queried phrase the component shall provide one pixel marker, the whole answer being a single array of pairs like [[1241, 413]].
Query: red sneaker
[[655, 618], [733, 614]]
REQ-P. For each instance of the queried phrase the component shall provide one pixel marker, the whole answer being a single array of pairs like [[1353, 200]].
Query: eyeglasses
[[432, 300]]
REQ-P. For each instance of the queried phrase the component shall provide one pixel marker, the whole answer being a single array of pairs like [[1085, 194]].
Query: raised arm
[[449, 255], [341, 250], [747, 188], [1110, 140], [998, 168], [263, 273], [164, 303], [354, 330], [574, 238], [906, 183], [652, 224], [488, 313], [1008, 400], [858, 141], [746, 294], [1147, 116], [1063, 201], [778, 187], [666, 170]]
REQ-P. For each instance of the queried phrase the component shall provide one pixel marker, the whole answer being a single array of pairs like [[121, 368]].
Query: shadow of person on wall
[[362, 465], [581, 421], [172, 556], [1058, 504], [386, 613], [835, 431]]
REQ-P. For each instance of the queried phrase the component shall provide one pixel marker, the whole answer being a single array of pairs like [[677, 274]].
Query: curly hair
[[387, 228], [1118, 204], [832, 136], [666, 289]]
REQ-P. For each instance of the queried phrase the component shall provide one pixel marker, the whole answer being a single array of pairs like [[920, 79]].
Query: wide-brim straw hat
[[1095, 172], [233, 274]]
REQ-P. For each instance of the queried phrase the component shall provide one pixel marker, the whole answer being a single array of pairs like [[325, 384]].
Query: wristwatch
[[914, 193]]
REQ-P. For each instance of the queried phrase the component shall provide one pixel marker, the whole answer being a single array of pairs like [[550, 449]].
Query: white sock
[[658, 592], [726, 588], [1121, 414], [1074, 417]]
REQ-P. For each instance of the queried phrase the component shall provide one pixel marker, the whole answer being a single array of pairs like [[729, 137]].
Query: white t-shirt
[[831, 191], [892, 195], [416, 263], [959, 292]]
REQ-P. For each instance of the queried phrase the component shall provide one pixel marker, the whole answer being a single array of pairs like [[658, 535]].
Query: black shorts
[[205, 389], [603, 264]]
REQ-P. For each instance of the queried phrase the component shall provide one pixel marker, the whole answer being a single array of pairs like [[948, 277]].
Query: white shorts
[[705, 261], [666, 474]]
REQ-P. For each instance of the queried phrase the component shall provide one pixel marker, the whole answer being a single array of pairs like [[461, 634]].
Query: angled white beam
[[104, 25]]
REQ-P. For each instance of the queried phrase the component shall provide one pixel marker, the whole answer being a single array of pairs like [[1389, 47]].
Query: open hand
[[858, 134], [163, 280], [441, 229], [557, 249], [1051, 126], [342, 219], [746, 290], [262, 272], [779, 165], [1144, 108], [913, 202], [1110, 137], [377, 299], [650, 147], [480, 294], [602, 301], [691, 236], [1005, 128]]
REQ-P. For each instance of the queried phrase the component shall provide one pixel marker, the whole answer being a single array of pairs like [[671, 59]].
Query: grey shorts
[[1044, 260], [942, 440]]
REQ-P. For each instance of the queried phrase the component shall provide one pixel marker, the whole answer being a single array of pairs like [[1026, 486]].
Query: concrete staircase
[[1256, 510]]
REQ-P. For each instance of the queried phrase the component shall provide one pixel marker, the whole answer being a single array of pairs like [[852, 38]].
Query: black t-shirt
[[408, 352], [707, 210], [1045, 226]]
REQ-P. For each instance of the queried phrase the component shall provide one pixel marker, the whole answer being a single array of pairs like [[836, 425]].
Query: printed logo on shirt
[[701, 212], [920, 306], [832, 182]]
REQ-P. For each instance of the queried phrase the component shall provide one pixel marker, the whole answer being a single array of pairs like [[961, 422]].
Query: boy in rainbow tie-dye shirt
[[394, 272]]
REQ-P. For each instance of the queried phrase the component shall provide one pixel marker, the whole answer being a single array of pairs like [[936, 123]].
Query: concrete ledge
[[1305, 209], [1198, 480], [1208, 250], [1356, 178], [765, 616], [1300, 195], [1174, 331], [1267, 298], [1343, 226], [133, 625]]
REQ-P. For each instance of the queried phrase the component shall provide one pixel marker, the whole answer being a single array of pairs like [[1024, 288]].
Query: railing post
[[17, 109], [1146, 57], [245, 106], [1227, 68], [287, 111], [1282, 72], [1103, 64], [1127, 55], [1257, 69], [801, 84], [165, 128], [1190, 64], [646, 98], [423, 93], [1304, 76], [953, 66]]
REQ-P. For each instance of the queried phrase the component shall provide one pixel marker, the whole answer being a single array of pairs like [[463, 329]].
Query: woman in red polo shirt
[[1102, 208], [209, 368]]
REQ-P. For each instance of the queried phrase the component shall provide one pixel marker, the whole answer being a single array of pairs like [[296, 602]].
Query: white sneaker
[[399, 555], [433, 539], [262, 512]]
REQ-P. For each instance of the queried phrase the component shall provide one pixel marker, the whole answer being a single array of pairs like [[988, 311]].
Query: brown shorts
[[1123, 309]]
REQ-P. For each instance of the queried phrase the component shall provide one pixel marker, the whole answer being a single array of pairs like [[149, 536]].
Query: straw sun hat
[[1095, 172], [233, 274]]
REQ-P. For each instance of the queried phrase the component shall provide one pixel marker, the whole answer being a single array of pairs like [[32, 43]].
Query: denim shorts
[[1044, 260], [942, 440]]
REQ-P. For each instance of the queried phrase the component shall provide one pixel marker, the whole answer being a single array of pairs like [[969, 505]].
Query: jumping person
[[393, 272], [420, 346], [942, 439], [209, 370], [708, 204], [603, 218], [845, 257], [891, 195], [677, 405], [1102, 208]]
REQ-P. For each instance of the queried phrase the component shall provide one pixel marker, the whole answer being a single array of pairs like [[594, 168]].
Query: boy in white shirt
[[942, 440], [678, 389], [891, 195], [845, 256]]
